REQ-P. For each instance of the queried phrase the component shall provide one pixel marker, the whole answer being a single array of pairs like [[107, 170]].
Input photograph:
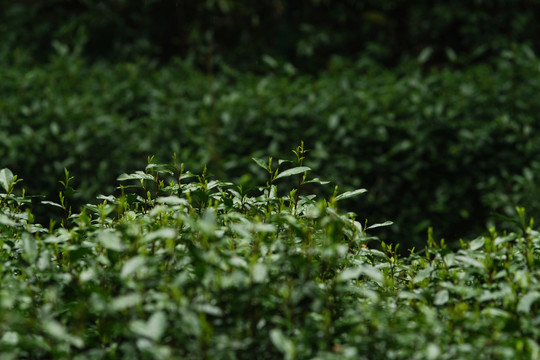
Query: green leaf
[[30, 248], [46, 202], [4, 220], [138, 175], [125, 301], [153, 328], [525, 303], [284, 344], [386, 223], [261, 163], [317, 181], [171, 200], [476, 244], [364, 269], [110, 239], [293, 171], [259, 273], [441, 297], [6, 178], [59, 332], [350, 194], [470, 261], [131, 266]]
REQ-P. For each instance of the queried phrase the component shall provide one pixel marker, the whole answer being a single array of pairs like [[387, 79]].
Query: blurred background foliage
[[306, 33], [430, 105]]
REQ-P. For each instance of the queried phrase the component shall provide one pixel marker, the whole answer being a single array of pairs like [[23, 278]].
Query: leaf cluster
[[409, 135], [180, 265]]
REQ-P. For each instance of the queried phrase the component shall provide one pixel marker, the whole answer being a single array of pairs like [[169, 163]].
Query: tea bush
[[443, 147], [179, 265], [305, 33]]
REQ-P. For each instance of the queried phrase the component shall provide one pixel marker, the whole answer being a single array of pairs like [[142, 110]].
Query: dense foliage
[[305, 33], [184, 266], [408, 135]]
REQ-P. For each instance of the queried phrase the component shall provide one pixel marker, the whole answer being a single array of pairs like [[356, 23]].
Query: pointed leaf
[[46, 202], [317, 181], [476, 244], [260, 163], [386, 223], [284, 344], [293, 171], [350, 194], [138, 175]]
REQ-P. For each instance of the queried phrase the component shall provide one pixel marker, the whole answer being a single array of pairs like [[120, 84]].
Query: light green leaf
[[153, 328], [386, 223], [59, 332], [110, 239], [4, 220], [163, 233], [46, 202], [259, 273], [138, 175], [132, 265], [470, 261], [30, 248], [350, 194], [6, 178], [476, 244], [441, 297], [423, 274], [171, 200], [364, 269], [125, 301], [294, 171], [525, 303], [317, 181], [209, 309], [282, 343]]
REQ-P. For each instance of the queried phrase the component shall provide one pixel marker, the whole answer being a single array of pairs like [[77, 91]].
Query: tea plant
[[180, 265]]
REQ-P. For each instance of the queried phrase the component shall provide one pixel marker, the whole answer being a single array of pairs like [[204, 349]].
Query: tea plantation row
[[443, 147], [183, 266]]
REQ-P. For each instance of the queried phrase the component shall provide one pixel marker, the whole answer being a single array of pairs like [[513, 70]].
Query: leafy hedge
[[445, 147], [193, 268], [303, 32]]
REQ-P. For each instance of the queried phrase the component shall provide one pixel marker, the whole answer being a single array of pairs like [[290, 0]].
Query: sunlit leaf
[[293, 171], [441, 297], [526, 302], [6, 178], [386, 223], [138, 175], [350, 194]]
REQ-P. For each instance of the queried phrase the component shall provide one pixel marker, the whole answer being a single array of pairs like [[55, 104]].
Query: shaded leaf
[[261, 163]]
